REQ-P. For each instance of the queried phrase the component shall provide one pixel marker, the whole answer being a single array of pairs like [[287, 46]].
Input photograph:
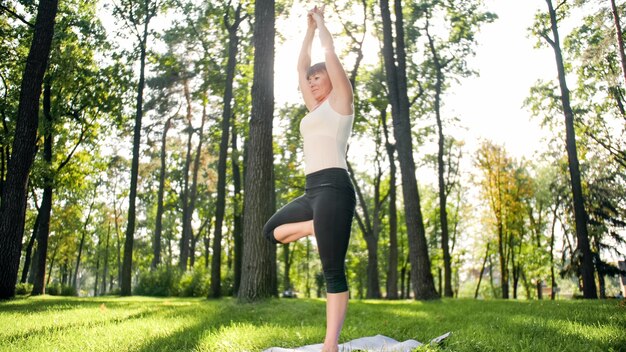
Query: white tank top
[[325, 133]]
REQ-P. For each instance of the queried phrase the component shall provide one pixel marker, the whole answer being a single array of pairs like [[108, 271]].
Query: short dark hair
[[318, 67]]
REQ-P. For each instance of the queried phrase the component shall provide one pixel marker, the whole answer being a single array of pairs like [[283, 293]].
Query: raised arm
[[304, 62], [342, 96]]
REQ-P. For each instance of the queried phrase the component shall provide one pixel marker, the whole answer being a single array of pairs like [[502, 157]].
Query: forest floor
[[50, 323]]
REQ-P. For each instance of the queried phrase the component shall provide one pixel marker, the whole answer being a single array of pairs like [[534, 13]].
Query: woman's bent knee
[[336, 281], [268, 231]]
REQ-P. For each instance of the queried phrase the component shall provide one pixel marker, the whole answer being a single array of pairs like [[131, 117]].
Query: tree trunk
[[95, 286], [258, 277], [580, 214], [118, 244], [392, 266], [443, 195], [82, 241], [238, 209], [13, 202], [504, 270], [191, 204], [52, 259], [287, 259], [207, 245], [29, 248], [369, 226], [185, 237], [482, 271], [423, 283], [619, 36], [552, 274], [233, 47], [125, 285], [39, 274], [158, 227], [105, 270]]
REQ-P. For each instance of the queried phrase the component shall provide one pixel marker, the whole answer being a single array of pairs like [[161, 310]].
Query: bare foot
[[334, 348]]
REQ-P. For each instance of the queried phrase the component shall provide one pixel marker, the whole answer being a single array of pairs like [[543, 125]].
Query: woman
[[327, 208]]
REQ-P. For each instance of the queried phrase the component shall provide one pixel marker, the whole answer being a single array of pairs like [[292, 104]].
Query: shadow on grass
[[60, 327], [216, 329], [38, 304]]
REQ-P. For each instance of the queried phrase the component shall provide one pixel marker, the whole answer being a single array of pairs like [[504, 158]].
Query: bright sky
[[489, 106]]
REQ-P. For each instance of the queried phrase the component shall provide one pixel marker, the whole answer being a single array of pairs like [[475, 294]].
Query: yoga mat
[[378, 343]]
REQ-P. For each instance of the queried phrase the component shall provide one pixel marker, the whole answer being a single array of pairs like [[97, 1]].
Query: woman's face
[[320, 85]]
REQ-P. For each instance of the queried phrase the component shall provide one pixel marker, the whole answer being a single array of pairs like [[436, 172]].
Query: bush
[[162, 282], [23, 289], [194, 283], [57, 289]]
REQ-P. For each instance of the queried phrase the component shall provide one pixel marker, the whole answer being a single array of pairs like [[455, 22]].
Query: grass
[[175, 324]]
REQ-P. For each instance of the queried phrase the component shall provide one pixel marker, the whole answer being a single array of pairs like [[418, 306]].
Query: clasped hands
[[315, 16]]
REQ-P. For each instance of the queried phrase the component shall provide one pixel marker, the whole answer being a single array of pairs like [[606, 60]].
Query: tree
[[580, 214], [395, 69], [496, 186], [258, 279], [392, 266], [137, 16], [233, 47], [446, 61], [13, 202], [158, 227]]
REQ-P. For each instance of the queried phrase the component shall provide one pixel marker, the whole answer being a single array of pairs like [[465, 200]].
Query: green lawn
[[176, 324]]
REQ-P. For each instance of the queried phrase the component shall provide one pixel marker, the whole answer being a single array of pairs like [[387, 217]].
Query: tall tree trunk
[[552, 274], [185, 237], [158, 227], [105, 270], [39, 274], [443, 193], [64, 272], [619, 37], [82, 241], [95, 286], [29, 247], [125, 286], [504, 263], [423, 283], [193, 192], [207, 245], [13, 202], [287, 259], [370, 227], [516, 271], [392, 266], [258, 277], [237, 209], [52, 259], [482, 271], [118, 244], [580, 214], [233, 47]]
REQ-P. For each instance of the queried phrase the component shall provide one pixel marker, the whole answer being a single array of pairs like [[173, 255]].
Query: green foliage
[[57, 289], [162, 282], [23, 288], [194, 283]]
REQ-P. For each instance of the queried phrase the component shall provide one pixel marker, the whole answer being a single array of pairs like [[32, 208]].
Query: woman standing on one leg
[[327, 208]]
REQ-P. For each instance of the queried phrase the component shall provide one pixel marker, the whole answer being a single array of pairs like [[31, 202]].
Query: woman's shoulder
[[341, 105]]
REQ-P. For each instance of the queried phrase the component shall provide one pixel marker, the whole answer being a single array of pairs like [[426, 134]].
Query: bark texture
[[13, 203]]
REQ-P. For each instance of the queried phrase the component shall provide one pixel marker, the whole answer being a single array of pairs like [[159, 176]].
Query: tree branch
[[17, 16]]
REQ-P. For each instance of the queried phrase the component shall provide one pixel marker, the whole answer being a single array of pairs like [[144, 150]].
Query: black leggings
[[329, 201]]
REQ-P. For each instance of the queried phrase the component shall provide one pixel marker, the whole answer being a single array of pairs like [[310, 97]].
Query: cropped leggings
[[330, 202]]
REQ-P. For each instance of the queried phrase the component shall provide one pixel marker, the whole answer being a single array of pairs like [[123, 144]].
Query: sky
[[489, 106]]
